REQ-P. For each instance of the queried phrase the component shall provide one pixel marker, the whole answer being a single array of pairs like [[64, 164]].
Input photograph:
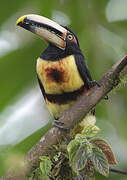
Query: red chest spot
[[54, 74]]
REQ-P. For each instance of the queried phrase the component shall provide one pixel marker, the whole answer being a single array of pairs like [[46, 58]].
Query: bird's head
[[48, 30]]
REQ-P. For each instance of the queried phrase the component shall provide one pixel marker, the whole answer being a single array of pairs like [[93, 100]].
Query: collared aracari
[[61, 69]]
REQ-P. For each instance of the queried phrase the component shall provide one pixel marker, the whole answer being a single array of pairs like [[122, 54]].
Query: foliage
[[43, 171], [122, 84], [45, 166], [88, 154], [84, 155], [106, 149]]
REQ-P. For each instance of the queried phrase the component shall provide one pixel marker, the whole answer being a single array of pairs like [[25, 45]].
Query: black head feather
[[72, 33], [54, 53]]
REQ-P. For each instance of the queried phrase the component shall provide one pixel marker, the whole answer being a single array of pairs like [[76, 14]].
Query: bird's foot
[[94, 83], [59, 125]]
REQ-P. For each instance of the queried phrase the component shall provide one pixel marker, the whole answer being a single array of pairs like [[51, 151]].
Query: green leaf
[[80, 150], [80, 138], [105, 147], [79, 177], [89, 170], [100, 162], [44, 177], [31, 178], [72, 149], [90, 130], [45, 166], [74, 145], [89, 178], [79, 161]]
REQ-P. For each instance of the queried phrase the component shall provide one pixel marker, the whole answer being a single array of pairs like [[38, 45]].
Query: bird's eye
[[70, 37]]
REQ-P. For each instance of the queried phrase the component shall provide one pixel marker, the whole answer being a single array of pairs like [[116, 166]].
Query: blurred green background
[[101, 27]]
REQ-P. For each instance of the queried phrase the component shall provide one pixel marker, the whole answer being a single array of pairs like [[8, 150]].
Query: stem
[[119, 171]]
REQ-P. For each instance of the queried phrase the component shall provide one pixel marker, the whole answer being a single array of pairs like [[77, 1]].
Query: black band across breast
[[65, 97]]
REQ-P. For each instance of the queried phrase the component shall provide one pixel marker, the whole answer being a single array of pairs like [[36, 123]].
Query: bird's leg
[[93, 83], [59, 125]]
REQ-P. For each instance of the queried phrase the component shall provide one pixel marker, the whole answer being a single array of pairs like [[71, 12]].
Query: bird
[[62, 71]]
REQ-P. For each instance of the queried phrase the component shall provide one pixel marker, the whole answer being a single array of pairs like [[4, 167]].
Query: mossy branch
[[70, 117]]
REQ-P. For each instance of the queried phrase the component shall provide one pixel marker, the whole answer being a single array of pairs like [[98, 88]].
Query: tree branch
[[72, 116]]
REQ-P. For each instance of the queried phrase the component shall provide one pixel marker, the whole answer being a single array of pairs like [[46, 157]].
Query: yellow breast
[[59, 76]]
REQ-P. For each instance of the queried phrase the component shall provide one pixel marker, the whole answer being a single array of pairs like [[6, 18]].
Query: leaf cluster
[[80, 159], [88, 154]]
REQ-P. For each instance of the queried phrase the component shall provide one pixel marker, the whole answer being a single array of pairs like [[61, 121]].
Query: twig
[[72, 116], [119, 171]]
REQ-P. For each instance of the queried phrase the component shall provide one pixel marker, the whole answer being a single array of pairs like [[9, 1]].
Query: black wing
[[83, 69], [84, 73]]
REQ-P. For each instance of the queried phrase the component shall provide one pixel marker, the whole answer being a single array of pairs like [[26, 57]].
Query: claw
[[59, 125], [94, 83]]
